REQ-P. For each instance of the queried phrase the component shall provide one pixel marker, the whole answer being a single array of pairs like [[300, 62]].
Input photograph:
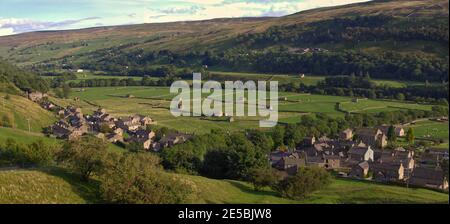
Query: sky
[[19, 16]]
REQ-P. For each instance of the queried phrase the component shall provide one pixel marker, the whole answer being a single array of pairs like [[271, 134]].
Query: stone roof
[[358, 150]]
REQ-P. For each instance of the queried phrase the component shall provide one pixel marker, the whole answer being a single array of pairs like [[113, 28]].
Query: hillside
[[48, 187], [220, 34], [56, 186], [19, 109], [13, 78]]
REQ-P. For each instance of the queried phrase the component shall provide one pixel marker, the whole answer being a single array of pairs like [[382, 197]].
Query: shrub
[[7, 121], [263, 177], [85, 155], [306, 181], [136, 178], [37, 153]]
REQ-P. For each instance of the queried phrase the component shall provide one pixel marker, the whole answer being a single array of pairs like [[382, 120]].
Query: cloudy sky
[[18, 16]]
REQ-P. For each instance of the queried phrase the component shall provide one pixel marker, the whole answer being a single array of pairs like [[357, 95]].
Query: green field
[[155, 102], [431, 129], [376, 106], [57, 186]]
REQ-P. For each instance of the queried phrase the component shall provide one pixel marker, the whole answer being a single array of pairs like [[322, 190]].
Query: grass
[[376, 106], [21, 109], [45, 187], [341, 191], [24, 136], [431, 129], [344, 191], [59, 187]]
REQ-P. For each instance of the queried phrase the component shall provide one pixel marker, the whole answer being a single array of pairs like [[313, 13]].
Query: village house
[[332, 161], [373, 137], [48, 105], [360, 170], [142, 137], [61, 129], [346, 135], [361, 152], [432, 157], [315, 161], [429, 177], [118, 131], [36, 96], [276, 156], [399, 131], [308, 142], [170, 140], [290, 163], [114, 138], [387, 172], [128, 124]]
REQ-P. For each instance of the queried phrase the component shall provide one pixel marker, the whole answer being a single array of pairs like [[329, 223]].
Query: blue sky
[[18, 16]]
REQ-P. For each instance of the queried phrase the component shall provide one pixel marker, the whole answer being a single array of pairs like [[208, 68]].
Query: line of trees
[[363, 86]]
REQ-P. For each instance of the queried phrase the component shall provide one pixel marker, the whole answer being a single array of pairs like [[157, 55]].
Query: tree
[[135, 147], [263, 177], [58, 92], [66, 90], [217, 164], [85, 155], [307, 180], [136, 178], [391, 134], [410, 136], [278, 135], [400, 96], [7, 121]]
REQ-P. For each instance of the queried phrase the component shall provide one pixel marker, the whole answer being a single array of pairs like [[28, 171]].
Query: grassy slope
[[56, 186], [44, 187], [24, 136], [218, 33], [23, 109]]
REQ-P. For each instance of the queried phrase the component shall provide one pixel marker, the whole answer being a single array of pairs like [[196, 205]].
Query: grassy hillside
[[24, 136], [21, 109], [56, 186], [44, 187], [214, 34]]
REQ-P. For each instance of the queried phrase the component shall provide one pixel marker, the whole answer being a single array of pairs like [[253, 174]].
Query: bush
[[85, 155], [136, 178], [7, 121], [263, 177], [34, 154], [306, 181]]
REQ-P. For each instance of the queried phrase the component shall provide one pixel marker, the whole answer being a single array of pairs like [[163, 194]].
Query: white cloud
[[10, 26], [6, 31], [118, 12]]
